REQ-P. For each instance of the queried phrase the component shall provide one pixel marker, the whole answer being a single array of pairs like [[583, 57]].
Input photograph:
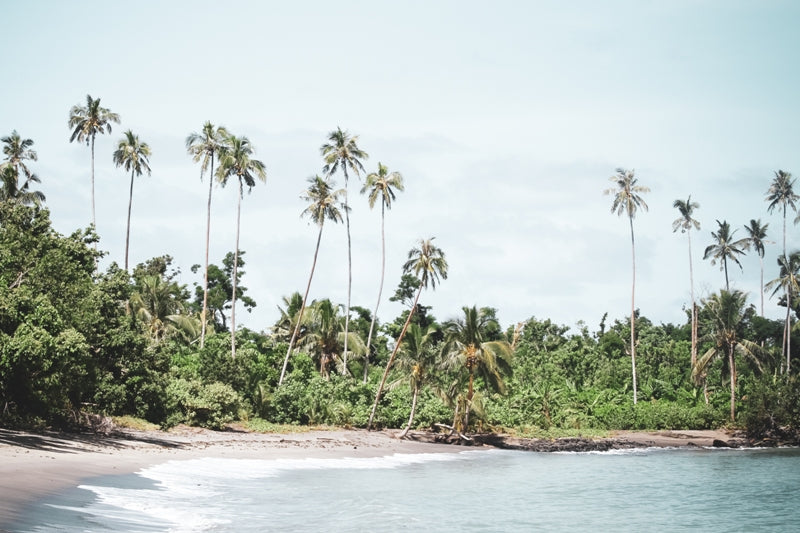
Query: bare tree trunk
[[633, 315], [761, 259], [380, 292], [302, 309], [788, 331], [128, 231], [413, 410], [391, 358], [470, 394], [694, 307], [94, 222], [204, 315], [236, 270], [732, 365], [349, 278]]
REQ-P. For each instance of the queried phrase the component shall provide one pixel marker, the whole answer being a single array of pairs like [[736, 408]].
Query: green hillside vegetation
[[140, 343]]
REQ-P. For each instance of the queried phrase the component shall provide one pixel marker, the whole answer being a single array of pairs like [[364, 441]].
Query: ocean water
[[631, 490]]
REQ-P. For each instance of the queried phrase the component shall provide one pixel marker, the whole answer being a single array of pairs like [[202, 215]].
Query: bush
[[206, 405]]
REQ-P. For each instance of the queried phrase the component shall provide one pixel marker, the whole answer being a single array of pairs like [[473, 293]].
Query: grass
[[258, 425], [131, 422]]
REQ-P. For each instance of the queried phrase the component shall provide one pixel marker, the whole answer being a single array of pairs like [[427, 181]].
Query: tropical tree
[[789, 281], [236, 159], [86, 122], [781, 194], [342, 151], [11, 191], [325, 336], [417, 360], [685, 223], [380, 185], [160, 305], [203, 147], [283, 328], [428, 264], [725, 248], [133, 155], [628, 200], [727, 313], [324, 204], [756, 239], [467, 345], [220, 289], [17, 151]]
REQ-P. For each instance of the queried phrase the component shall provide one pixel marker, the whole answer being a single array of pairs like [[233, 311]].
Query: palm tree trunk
[[349, 277], [732, 365], [94, 222], [694, 311], [128, 231], [470, 394], [203, 319], [633, 317], [725, 265], [761, 260], [380, 292], [788, 332], [302, 309], [391, 358], [413, 410], [236, 270]]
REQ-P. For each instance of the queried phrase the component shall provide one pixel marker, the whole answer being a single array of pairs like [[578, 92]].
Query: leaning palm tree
[[380, 184], [418, 360], [789, 281], [428, 264], [203, 147], [724, 248], [781, 194], [236, 159], [324, 204], [727, 312], [466, 346], [757, 238], [628, 200], [342, 151], [685, 223], [86, 122], [133, 155]]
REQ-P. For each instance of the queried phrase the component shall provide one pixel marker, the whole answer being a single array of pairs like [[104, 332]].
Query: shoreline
[[34, 465]]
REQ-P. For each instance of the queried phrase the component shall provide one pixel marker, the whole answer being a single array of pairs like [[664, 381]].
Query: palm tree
[[235, 159], [325, 336], [18, 150], [133, 155], [381, 184], [284, 327], [685, 223], [781, 193], [428, 264], [342, 150], [324, 205], [725, 248], [789, 281], [86, 122], [159, 305], [727, 311], [10, 189], [627, 200], [757, 238], [466, 346], [417, 359], [204, 146]]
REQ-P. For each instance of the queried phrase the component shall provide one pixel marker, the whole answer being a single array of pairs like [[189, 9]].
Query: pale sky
[[505, 118]]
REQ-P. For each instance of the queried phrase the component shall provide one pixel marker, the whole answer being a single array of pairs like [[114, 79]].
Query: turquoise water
[[641, 490]]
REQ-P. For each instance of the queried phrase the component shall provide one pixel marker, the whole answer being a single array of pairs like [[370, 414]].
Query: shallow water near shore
[[492, 490]]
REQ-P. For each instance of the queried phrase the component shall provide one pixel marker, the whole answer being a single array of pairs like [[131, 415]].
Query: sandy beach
[[33, 465]]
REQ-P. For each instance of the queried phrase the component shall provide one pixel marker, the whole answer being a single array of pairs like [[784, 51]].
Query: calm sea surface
[[643, 490]]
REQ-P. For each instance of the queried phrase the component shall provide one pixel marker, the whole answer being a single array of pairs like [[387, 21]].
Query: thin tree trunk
[[391, 358], [725, 265], [732, 365], [204, 315], [128, 231], [694, 311], [349, 277], [633, 317], [302, 309], [380, 292], [413, 410], [788, 332], [470, 394], [236, 270], [94, 222], [761, 259]]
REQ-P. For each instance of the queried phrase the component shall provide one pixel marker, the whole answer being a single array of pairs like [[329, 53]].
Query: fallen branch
[[453, 430]]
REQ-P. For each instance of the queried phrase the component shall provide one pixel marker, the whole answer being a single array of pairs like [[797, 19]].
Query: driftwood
[[453, 430]]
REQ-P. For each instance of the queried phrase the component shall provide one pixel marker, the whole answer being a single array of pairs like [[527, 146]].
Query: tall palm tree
[[428, 264], [781, 194], [466, 346], [133, 155], [17, 151], [86, 122], [757, 238], [380, 184], [628, 200], [203, 147], [236, 159], [342, 151], [789, 281], [685, 223], [727, 311], [10, 189], [324, 204], [725, 248], [417, 359]]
